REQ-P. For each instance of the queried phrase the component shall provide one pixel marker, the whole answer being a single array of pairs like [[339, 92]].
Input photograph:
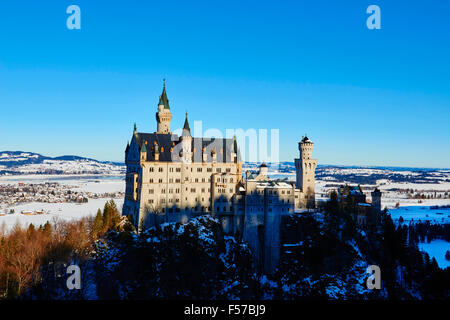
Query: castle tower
[[163, 116], [186, 142], [376, 200], [306, 168]]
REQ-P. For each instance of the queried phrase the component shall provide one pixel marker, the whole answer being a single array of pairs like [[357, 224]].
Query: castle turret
[[163, 116], [143, 153], [376, 200], [126, 151], [306, 167], [186, 142]]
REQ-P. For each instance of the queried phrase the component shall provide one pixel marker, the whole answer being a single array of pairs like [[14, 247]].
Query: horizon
[[248, 162], [365, 97]]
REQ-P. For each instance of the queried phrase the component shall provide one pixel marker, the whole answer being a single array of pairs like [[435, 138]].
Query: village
[[45, 192]]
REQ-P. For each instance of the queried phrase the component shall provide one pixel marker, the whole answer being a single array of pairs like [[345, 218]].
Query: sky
[[365, 97]]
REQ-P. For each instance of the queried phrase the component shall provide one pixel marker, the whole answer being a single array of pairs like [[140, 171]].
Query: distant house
[[353, 200]]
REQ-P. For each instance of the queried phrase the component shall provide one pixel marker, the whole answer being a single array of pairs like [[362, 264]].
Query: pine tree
[[47, 229], [97, 228], [31, 230]]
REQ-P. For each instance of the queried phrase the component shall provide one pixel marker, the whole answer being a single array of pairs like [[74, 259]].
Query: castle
[[170, 178]]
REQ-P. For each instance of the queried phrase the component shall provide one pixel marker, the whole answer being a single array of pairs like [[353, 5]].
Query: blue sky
[[365, 97]]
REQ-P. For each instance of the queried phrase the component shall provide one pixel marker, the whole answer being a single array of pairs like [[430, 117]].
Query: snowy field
[[422, 213], [58, 211], [64, 211], [437, 249]]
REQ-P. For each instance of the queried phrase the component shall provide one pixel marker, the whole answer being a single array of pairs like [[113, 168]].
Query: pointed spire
[[163, 97], [135, 128], [143, 148], [186, 129]]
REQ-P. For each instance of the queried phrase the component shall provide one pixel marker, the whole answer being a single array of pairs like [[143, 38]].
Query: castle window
[[170, 180], [150, 201], [208, 169], [151, 169], [199, 169], [178, 170], [151, 180], [160, 180], [163, 191], [150, 191], [219, 170], [177, 180]]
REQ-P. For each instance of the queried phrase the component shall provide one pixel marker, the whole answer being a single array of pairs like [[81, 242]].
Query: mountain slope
[[20, 162]]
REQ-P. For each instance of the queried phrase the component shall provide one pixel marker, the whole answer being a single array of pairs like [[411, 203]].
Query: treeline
[[407, 272], [427, 232], [30, 258]]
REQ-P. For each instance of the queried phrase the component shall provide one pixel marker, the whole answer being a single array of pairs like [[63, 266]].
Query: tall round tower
[[305, 168]]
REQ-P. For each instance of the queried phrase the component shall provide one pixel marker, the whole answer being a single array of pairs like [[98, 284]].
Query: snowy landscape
[[410, 194]]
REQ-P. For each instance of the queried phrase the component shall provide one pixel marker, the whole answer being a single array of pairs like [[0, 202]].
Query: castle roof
[[163, 98], [186, 129], [168, 142], [143, 148]]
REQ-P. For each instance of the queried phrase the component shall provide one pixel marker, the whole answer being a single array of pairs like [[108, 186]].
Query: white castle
[[171, 178]]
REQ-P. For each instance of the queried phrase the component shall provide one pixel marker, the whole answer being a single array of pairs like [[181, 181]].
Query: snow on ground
[[421, 213], [390, 203], [102, 186], [64, 179], [437, 249], [64, 211]]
